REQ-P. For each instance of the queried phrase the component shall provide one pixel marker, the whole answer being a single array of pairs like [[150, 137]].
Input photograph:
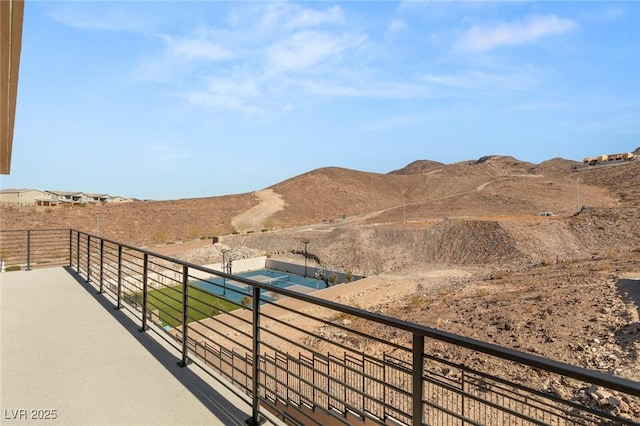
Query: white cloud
[[366, 88], [195, 49], [499, 80], [100, 16], [235, 93], [397, 25], [287, 16], [307, 18], [478, 38], [306, 49]]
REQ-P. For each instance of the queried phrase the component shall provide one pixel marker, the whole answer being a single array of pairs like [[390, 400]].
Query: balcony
[[68, 356], [119, 335]]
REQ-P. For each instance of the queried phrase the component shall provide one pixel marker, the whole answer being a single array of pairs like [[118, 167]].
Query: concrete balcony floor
[[65, 348]]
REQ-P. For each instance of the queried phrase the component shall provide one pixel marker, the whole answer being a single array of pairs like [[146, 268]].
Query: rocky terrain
[[462, 246]]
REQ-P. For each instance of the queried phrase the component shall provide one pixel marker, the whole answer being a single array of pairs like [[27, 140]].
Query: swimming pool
[[236, 291]]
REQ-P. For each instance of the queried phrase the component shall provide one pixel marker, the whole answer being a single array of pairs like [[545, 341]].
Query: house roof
[[18, 190], [66, 193]]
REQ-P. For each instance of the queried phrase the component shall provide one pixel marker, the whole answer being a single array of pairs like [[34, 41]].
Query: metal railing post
[[29, 250], [101, 266], [418, 366], [185, 315], [119, 291], [70, 247], [463, 398], [88, 258], [255, 365], [78, 252], [144, 293]]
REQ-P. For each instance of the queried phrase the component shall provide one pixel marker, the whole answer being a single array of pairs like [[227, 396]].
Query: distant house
[[35, 197], [98, 198], [119, 199], [22, 197], [65, 197]]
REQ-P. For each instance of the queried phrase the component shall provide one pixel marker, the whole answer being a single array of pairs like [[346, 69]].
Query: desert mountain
[[424, 190]]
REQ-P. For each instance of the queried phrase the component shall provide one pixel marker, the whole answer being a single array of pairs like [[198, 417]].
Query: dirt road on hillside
[[254, 219]]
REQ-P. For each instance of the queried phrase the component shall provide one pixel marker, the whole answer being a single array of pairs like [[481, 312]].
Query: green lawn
[[168, 301]]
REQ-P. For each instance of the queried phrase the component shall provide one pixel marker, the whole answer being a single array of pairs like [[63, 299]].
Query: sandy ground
[[255, 218]]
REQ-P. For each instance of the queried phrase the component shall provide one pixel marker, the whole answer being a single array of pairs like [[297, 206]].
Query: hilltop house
[[22, 197], [98, 198], [65, 197], [31, 197]]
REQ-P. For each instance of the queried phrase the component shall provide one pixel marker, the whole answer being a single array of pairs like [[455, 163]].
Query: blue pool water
[[235, 291]]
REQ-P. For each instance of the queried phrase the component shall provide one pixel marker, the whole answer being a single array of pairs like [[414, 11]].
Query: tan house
[[119, 199], [35, 197], [66, 197], [22, 197], [98, 198]]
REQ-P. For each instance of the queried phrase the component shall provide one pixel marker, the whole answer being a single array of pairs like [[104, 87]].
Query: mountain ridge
[[421, 191]]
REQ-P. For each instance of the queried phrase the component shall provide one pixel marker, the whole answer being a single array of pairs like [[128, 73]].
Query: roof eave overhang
[[11, 18]]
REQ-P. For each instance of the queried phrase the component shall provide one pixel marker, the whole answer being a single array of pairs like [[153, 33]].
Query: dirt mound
[[622, 180], [418, 167], [556, 166], [384, 249], [331, 193], [608, 231]]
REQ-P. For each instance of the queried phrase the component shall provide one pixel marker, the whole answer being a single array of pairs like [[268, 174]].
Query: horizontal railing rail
[[314, 361], [25, 249]]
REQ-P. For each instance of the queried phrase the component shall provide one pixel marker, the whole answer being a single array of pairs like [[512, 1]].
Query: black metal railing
[[313, 361], [25, 249]]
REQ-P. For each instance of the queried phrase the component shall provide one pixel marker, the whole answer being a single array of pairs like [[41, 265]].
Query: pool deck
[[66, 349]]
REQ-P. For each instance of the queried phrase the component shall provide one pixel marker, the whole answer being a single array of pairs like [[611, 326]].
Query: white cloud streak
[[307, 49], [483, 38], [397, 25], [95, 17], [195, 49], [290, 17]]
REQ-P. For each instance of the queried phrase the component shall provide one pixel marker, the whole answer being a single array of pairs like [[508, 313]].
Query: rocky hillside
[[507, 243], [423, 191]]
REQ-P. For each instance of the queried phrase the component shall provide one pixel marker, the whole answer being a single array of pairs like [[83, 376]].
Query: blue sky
[[175, 99]]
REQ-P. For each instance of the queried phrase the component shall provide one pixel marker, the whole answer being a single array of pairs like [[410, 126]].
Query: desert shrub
[[348, 277], [250, 231], [416, 300], [159, 236], [193, 233], [265, 230], [12, 268]]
